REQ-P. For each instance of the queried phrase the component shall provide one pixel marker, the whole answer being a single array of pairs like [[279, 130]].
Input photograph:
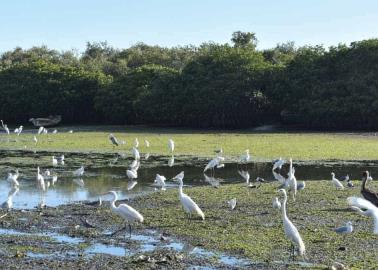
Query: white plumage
[[232, 203], [215, 162], [278, 163], [171, 161], [12, 178], [132, 174], [40, 180], [245, 157], [365, 208], [188, 204], [171, 145], [160, 180], [136, 143], [276, 203], [136, 154], [147, 143], [290, 230], [79, 172], [245, 175], [336, 182], [54, 161], [292, 180]]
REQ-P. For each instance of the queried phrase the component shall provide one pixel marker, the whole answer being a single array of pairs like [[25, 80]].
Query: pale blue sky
[[68, 24]]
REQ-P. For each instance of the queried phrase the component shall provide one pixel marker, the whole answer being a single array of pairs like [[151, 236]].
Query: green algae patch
[[254, 229]]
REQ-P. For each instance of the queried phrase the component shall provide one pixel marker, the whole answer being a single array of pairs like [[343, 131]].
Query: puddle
[[108, 249]]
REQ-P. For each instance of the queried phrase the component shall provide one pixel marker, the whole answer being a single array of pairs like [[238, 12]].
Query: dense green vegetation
[[212, 85]]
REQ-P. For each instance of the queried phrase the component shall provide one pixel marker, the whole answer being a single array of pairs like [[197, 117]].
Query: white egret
[[45, 131], [336, 182], [245, 175], [2, 124], [346, 229], [35, 140], [368, 194], [147, 143], [188, 204], [215, 162], [132, 174], [54, 161], [40, 180], [276, 203], [40, 130], [160, 180], [12, 178], [113, 140], [131, 184], [55, 131], [179, 177], [60, 159], [278, 163], [18, 130], [232, 203], [279, 178], [171, 145], [245, 157], [290, 230], [136, 154], [54, 179], [6, 129], [129, 214], [292, 180], [79, 172], [136, 143], [365, 208]]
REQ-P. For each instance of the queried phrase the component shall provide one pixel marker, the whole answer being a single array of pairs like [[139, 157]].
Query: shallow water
[[103, 174]]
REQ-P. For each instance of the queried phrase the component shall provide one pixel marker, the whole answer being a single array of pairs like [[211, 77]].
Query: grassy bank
[[254, 230], [300, 146]]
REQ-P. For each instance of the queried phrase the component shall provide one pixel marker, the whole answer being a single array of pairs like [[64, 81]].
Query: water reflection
[[99, 177]]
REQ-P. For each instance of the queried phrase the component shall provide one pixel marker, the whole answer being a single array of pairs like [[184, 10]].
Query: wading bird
[[147, 143], [290, 230], [245, 157], [336, 182], [188, 204], [171, 145], [292, 180], [171, 161], [245, 175], [215, 162], [366, 192], [54, 161], [40, 130], [132, 174], [160, 181], [79, 172], [136, 143], [346, 229], [40, 180], [18, 130], [12, 178], [129, 214], [365, 208], [113, 140], [276, 203], [35, 140]]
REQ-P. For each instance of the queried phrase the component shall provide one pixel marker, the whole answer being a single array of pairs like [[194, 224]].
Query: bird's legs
[[117, 231], [130, 229]]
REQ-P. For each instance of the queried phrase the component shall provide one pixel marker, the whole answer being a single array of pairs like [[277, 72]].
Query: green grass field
[[263, 146]]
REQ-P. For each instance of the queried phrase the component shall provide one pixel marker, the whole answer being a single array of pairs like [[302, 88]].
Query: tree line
[[208, 86]]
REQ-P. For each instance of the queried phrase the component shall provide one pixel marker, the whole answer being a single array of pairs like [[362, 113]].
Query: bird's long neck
[[284, 216], [364, 181], [113, 201], [180, 189]]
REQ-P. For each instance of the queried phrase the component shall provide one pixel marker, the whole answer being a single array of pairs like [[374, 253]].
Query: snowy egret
[[366, 192], [129, 214], [245, 157], [232, 203], [276, 203], [365, 208], [188, 204], [171, 145], [79, 172], [346, 229], [290, 230], [336, 182]]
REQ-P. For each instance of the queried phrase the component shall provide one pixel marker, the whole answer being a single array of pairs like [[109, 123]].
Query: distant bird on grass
[[136, 143], [135, 153], [232, 203], [113, 140], [147, 143], [40, 180], [278, 163], [346, 229], [171, 145], [245, 175], [336, 182]]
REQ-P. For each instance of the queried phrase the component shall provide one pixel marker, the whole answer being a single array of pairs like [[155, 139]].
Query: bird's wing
[[129, 213], [191, 205], [361, 203]]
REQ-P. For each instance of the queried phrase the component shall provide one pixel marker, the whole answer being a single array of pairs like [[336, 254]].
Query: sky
[[69, 24]]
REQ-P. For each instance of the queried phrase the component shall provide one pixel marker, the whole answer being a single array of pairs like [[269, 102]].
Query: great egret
[[54, 161], [40, 180], [35, 140], [136, 154], [336, 182], [129, 214], [79, 172], [245, 175], [276, 203], [18, 130], [346, 229], [40, 130], [188, 204], [113, 140], [366, 192], [171, 145], [132, 174], [147, 143], [179, 177], [215, 162], [6, 129], [136, 143], [292, 180], [278, 163], [131, 184], [232, 203], [365, 208], [12, 178], [290, 230]]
